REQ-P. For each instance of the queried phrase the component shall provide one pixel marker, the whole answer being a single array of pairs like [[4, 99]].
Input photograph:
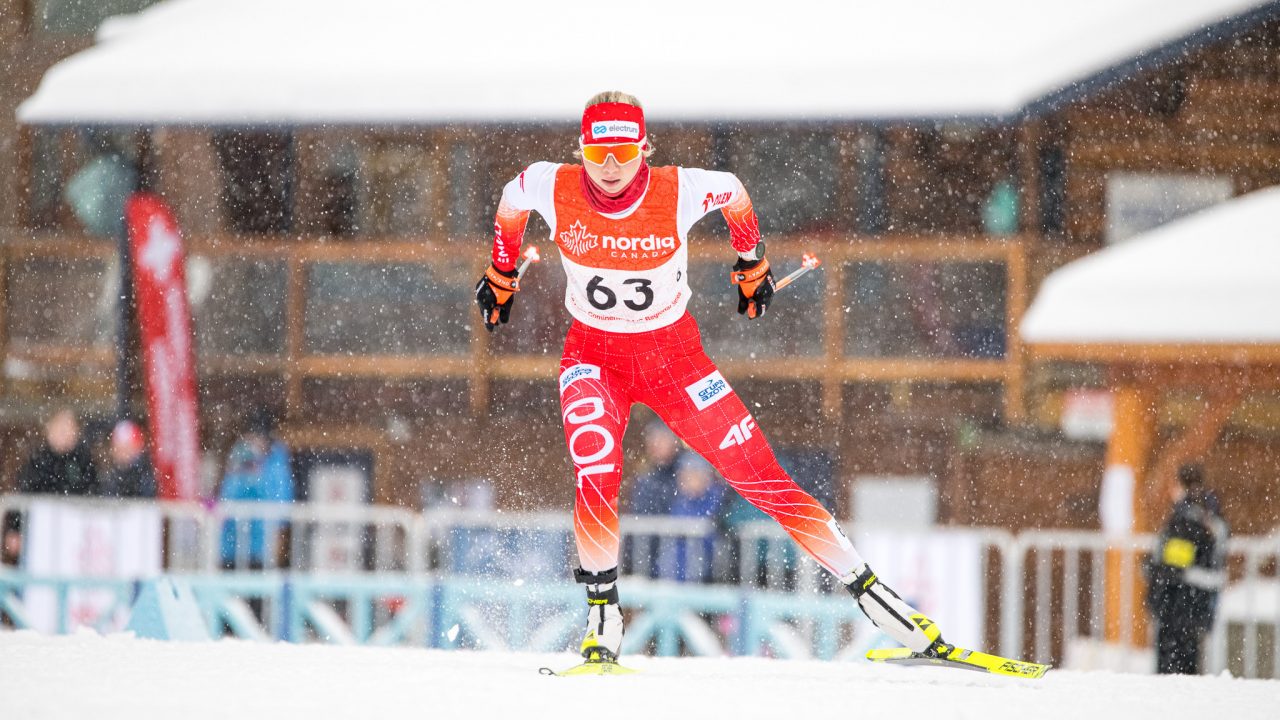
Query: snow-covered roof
[[1208, 278], [409, 61]]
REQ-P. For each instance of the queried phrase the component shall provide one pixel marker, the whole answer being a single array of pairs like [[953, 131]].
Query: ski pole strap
[[750, 277], [503, 285]]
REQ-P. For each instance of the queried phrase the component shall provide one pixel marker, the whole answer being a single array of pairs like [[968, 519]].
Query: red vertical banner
[[164, 319]]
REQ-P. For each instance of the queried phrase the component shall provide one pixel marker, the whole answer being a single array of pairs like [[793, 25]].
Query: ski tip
[[962, 658]]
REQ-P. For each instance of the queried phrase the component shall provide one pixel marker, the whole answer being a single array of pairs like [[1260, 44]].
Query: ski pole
[[530, 256], [808, 262]]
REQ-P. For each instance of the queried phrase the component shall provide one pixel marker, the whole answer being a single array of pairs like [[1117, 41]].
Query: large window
[[388, 308], [61, 302], [936, 310], [792, 326], [792, 176], [257, 180], [238, 304], [67, 166]]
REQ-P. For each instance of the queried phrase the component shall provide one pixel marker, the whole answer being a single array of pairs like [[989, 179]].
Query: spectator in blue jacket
[[699, 494], [653, 492], [257, 471]]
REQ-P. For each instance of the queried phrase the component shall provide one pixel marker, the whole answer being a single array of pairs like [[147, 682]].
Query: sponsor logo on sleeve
[[713, 200], [709, 390], [578, 372], [615, 128]]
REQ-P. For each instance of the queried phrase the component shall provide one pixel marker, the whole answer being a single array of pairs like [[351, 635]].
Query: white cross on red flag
[[164, 322]]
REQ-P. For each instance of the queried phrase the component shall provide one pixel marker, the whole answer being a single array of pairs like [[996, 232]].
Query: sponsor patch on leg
[[707, 391], [578, 372]]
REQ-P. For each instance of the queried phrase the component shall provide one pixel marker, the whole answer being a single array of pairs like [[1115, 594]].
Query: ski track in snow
[[119, 677]]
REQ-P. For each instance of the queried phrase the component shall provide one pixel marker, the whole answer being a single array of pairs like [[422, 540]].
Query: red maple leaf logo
[[577, 240]]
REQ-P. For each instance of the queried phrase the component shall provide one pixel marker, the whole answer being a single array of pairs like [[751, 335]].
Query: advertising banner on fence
[[164, 321], [74, 541], [939, 573]]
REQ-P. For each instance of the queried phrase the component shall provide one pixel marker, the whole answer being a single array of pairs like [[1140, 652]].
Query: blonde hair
[[617, 96], [613, 96]]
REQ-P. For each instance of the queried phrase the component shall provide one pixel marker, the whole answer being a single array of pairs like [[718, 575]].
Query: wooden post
[[833, 349], [1015, 402], [1132, 434], [295, 336]]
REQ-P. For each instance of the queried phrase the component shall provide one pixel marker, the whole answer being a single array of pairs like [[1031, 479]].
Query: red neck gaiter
[[607, 205]]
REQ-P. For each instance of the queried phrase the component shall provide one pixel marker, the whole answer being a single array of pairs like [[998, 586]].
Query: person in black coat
[[62, 465], [1186, 574]]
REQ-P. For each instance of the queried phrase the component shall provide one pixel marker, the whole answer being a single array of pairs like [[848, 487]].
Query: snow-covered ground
[[89, 676]]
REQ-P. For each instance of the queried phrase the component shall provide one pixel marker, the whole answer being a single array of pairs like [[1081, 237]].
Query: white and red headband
[[612, 123]]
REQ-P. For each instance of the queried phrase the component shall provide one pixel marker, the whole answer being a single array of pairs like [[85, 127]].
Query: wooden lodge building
[[332, 269]]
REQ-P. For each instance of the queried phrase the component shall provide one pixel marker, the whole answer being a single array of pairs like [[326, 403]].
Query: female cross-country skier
[[621, 227]]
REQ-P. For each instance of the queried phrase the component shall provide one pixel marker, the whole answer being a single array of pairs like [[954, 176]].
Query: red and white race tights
[[602, 374]]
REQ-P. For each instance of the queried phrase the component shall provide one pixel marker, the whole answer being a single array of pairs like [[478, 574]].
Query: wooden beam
[[1210, 375], [1153, 154], [383, 366], [1173, 353], [96, 356], [1195, 442]]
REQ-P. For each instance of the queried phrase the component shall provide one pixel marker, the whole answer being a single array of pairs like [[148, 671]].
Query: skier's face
[[613, 177]]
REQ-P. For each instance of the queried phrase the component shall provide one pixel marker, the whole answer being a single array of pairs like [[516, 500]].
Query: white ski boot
[[603, 639], [894, 617]]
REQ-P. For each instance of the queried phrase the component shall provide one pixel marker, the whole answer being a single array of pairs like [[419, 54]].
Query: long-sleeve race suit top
[[627, 272]]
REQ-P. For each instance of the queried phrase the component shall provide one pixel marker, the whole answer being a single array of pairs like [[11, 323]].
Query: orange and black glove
[[755, 286], [495, 294]]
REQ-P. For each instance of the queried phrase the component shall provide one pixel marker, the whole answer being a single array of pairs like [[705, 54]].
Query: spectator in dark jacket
[[1186, 574], [130, 474], [63, 464]]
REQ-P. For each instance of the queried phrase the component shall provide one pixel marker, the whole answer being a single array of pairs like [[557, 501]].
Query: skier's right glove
[[755, 286], [495, 294]]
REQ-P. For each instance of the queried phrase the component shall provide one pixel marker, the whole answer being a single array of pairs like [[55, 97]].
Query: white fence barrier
[[1040, 594], [1055, 601]]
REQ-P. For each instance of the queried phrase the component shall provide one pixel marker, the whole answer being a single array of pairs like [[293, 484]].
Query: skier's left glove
[[495, 294], [755, 286]]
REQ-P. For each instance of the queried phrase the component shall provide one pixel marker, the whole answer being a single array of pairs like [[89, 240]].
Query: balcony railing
[[315, 310]]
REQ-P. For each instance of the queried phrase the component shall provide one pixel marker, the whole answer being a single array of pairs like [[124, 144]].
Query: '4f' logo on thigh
[[739, 434]]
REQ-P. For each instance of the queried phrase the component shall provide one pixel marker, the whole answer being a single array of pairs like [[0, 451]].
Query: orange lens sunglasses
[[623, 153]]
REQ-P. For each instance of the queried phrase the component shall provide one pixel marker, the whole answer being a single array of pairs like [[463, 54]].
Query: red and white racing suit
[[633, 342]]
